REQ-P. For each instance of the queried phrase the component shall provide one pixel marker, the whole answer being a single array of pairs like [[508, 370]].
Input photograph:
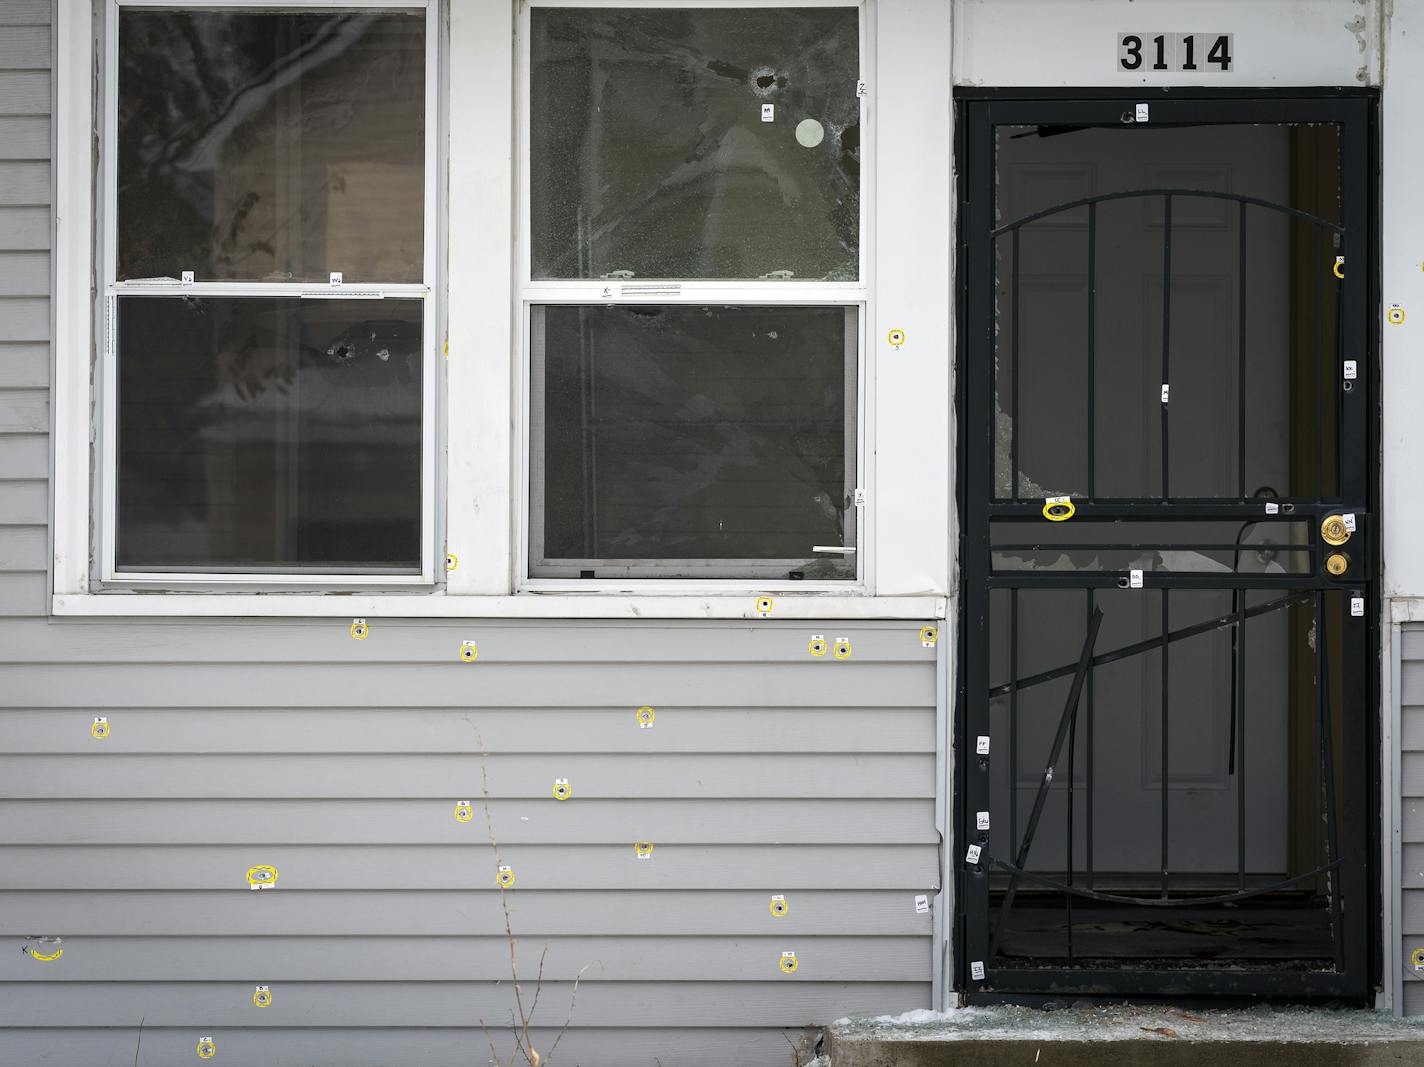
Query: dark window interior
[[269, 434], [676, 440]]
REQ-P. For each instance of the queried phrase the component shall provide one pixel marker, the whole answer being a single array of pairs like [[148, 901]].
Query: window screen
[[268, 434], [694, 441]]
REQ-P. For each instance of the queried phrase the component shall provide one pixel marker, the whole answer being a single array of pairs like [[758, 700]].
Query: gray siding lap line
[[439, 958], [430, 1047], [585, 729], [414, 1005], [437, 866]]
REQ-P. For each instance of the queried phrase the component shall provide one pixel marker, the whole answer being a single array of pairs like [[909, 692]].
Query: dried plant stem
[[573, 1000], [521, 1019], [494, 1053]]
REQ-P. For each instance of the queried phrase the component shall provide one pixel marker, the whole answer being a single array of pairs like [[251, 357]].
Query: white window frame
[[532, 292], [107, 458], [696, 569], [906, 398]]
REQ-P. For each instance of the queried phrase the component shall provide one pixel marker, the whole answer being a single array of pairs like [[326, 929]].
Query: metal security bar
[[1070, 880], [1323, 229]]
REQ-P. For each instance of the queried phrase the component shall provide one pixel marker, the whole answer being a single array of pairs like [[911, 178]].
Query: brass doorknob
[[1337, 563], [1333, 530]]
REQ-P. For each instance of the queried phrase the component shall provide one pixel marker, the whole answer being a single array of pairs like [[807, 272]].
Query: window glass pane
[[650, 152], [678, 441], [271, 146], [1268, 547], [269, 434]]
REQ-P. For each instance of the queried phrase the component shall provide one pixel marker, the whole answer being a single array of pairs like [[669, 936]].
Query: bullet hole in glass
[[764, 81]]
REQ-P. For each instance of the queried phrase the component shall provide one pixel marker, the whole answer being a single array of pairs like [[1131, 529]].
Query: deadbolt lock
[[1333, 530], [1337, 563]]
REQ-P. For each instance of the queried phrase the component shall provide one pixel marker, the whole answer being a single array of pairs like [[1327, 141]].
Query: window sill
[[740, 605], [1405, 609]]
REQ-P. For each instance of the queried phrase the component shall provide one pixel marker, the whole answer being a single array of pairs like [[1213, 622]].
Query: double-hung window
[[638, 298], [692, 290], [267, 264]]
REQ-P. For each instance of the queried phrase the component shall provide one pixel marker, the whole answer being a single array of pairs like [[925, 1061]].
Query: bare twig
[[800, 1048], [519, 1045], [539, 981], [494, 1053], [573, 999], [521, 1019]]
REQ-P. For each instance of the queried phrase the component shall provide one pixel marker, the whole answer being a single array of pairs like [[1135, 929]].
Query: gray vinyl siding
[[26, 226], [1411, 872], [339, 762], [286, 742]]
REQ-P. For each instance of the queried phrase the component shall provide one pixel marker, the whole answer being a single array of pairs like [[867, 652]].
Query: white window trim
[[906, 395], [531, 292], [528, 534], [740, 606], [739, 296]]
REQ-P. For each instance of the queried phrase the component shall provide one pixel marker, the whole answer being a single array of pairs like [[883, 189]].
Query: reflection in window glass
[[269, 434], [651, 152], [271, 146], [708, 441], [1243, 297], [1274, 547]]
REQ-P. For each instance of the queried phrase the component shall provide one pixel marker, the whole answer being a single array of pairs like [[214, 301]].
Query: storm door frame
[[977, 112]]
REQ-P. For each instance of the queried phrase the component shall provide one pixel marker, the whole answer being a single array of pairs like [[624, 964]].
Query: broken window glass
[[681, 441], [271, 146], [269, 434], [695, 143]]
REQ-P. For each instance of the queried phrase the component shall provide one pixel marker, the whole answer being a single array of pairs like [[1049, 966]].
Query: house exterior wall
[[339, 762], [285, 742]]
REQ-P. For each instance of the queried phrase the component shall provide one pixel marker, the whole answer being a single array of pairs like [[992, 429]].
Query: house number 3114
[[1174, 51]]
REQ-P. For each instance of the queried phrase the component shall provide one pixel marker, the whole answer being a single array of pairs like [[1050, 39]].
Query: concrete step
[[1128, 1035]]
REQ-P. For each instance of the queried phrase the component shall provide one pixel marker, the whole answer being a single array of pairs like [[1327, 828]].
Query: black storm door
[[1167, 712]]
